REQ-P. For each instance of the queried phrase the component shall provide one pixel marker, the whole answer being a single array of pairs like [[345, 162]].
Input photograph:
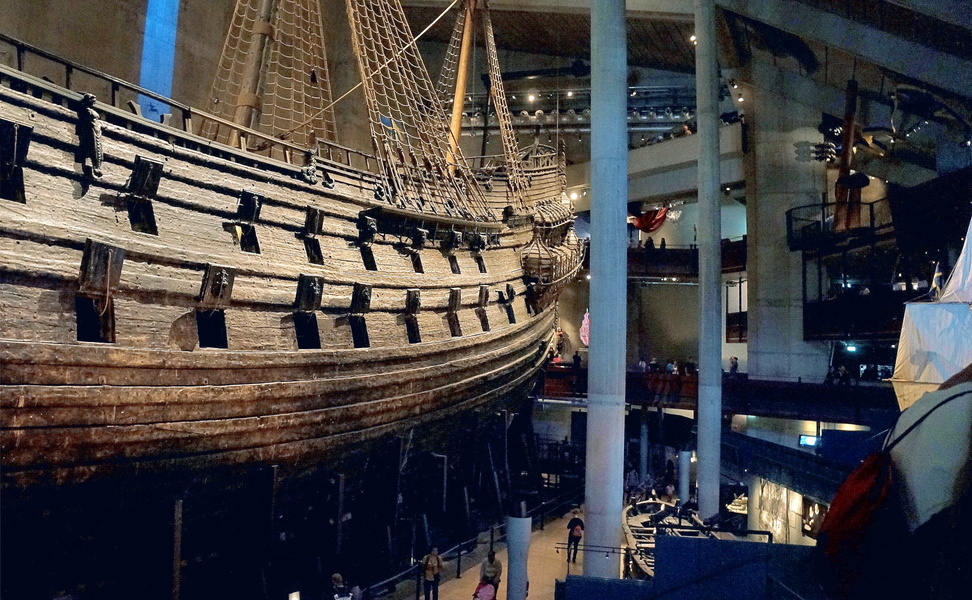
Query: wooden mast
[[248, 102], [455, 125], [847, 213]]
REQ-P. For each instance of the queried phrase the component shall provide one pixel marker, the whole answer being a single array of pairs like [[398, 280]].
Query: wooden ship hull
[[169, 301]]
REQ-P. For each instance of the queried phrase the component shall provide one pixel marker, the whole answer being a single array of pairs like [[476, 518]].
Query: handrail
[[21, 46], [415, 568], [293, 153]]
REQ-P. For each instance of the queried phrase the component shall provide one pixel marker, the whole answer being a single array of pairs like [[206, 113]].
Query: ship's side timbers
[[163, 305]]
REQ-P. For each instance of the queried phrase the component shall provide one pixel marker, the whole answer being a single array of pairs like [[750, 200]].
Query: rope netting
[[518, 182], [445, 86], [294, 87], [408, 125]]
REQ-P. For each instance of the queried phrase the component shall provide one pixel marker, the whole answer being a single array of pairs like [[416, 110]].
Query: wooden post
[[340, 516], [177, 549], [455, 126]]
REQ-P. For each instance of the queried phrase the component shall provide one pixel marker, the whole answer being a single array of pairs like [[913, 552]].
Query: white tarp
[[932, 459], [935, 343], [958, 288]]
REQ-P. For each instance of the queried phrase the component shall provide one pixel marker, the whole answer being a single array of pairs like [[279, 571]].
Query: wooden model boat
[[217, 290]]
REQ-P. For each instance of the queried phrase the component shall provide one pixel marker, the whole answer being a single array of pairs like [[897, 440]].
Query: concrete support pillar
[[710, 259], [609, 177], [518, 548], [777, 181], [643, 445], [752, 509], [684, 475]]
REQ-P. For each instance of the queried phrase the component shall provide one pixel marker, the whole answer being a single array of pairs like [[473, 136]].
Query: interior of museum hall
[[392, 299]]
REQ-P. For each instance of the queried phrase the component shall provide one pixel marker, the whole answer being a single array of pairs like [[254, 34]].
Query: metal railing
[[814, 225], [540, 514]]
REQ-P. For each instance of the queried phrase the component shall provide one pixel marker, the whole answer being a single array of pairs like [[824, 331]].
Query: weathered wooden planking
[[68, 406], [153, 397], [107, 364], [78, 443], [292, 452]]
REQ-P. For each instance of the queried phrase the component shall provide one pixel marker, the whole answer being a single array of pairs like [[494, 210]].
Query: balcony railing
[[816, 226], [683, 261]]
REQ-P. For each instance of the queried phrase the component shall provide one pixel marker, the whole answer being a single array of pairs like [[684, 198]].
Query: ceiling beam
[[918, 62], [676, 10]]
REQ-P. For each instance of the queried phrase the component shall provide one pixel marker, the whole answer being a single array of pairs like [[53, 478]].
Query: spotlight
[[531, 97], [852, 348], [740, 99], [733, 84], [573, 195], [570, 94], [588, 276]]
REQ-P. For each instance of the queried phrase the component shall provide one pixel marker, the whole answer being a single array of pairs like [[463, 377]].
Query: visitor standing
[[431, 567], [575, 531]]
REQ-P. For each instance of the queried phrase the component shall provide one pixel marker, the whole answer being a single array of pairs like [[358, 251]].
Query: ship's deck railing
[[30, 59]]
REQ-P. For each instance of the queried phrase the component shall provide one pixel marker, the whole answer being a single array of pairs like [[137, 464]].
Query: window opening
[[248, 239], [368, 258], [454, 265], [359, 331], [312, 246], [480, 263], [211, 328], [95, 319], [417, 265], [141, 215], [455, 328], [483, 318], [308, 334], [412, 329]]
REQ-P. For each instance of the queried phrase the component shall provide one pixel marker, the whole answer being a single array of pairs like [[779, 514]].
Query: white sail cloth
[[935, 343], [932, 460], [936, 337], [958, 288]]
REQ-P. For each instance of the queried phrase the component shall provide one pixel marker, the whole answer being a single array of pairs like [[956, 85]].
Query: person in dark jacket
[[575, 531]]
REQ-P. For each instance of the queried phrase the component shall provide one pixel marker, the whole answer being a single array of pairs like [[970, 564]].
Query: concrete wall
[[105, 35], [663, 322], [776, 181]]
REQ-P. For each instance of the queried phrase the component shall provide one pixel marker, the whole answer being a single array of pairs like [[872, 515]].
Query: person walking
[[431, 567], [575, 531], [491, 571]]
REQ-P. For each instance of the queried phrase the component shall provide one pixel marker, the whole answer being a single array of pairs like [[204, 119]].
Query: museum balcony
[[868, 403], [682, 262]]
